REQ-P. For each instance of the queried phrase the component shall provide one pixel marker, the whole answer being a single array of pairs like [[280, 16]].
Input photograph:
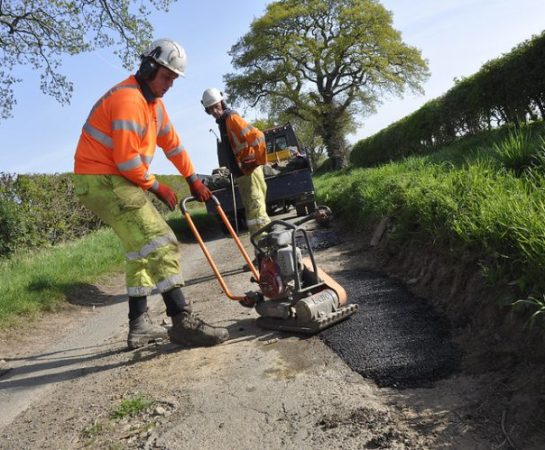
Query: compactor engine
[[295, 294]]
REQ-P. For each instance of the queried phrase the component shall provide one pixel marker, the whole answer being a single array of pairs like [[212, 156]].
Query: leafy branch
[[38, 33]]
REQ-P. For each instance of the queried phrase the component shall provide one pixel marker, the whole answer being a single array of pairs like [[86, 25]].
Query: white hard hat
[[211, 96], [169, 54]]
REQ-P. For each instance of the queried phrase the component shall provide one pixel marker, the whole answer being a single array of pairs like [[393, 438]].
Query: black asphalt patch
[[394, 338], [318, 239]]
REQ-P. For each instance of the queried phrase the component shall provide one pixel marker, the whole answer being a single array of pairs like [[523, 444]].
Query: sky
[[456, 37]]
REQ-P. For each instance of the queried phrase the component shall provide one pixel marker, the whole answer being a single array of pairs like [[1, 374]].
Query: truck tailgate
[[286, 186]]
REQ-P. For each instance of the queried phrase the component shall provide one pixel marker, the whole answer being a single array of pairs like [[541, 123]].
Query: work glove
[[200, 191], [166, 195]]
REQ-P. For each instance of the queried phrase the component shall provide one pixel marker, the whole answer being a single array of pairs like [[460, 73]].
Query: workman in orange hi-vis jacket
[[115, 150], [243, 147]]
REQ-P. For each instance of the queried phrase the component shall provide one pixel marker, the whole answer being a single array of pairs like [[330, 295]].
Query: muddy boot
[[188, 329], [142, 332]]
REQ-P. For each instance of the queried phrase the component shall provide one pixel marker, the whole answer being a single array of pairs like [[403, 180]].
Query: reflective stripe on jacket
[[121, 134], [247, 142]]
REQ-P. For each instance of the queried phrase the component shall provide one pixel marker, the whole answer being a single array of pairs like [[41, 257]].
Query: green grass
[[128, 407], [205, 223], [485, 196], [131, 406], [536, 304], [33, 282], [39, 281], [94, 430]]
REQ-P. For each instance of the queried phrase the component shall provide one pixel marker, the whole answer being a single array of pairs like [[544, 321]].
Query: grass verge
[[484, 195], [37, 281]]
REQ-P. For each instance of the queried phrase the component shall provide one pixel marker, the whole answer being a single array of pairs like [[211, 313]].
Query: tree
[[326, 61], [37, 33]]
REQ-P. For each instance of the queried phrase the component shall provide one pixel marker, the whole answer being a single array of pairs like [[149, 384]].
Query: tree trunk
[[331, 132]]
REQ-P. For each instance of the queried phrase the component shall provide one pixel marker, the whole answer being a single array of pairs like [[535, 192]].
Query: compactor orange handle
[[197, 235]]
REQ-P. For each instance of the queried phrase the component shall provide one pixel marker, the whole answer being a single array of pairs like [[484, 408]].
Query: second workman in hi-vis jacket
[[115, 150], [244, 149]]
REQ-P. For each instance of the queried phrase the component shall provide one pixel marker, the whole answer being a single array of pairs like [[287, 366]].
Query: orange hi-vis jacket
[[247, 142], [121, 134]]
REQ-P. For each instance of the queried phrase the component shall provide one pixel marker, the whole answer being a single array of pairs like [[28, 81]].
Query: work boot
[[188, 329], [142, 332]]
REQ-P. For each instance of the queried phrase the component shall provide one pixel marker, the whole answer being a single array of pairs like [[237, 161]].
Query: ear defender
[[149, 67]]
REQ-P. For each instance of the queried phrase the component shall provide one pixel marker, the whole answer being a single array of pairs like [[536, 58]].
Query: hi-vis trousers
[[151, 248], [253, 192]]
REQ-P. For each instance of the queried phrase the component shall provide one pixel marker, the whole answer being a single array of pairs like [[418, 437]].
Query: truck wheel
[[305, 209], [301, 210], [286, 207]]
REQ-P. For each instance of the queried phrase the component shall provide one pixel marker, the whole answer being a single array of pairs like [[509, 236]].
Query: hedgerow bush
[[506, 90], [40, 210], [489, 200]]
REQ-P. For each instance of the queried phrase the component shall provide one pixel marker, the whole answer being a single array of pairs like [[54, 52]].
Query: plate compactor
[[294, 294]]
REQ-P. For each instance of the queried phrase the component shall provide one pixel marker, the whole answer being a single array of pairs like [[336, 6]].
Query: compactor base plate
[[297, 326]]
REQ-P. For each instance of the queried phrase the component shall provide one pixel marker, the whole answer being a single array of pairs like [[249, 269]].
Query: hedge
[[39, 210], [506, 90]]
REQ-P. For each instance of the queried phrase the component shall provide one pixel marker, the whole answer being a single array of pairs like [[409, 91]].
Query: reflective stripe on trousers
[[253, 193], [151, 248]]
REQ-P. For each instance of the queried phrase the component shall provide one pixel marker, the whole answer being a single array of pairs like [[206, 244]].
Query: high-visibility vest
[[121, 134], [247, 141]]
